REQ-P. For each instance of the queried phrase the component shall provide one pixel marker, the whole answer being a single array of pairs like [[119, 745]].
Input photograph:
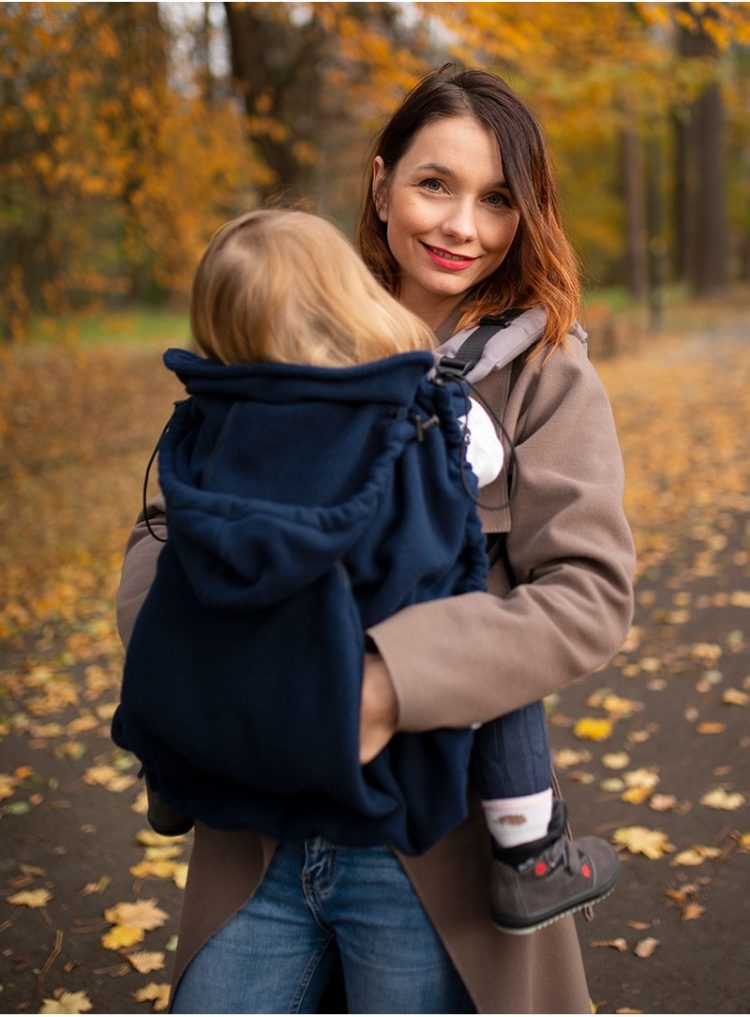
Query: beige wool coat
[[471, 658]]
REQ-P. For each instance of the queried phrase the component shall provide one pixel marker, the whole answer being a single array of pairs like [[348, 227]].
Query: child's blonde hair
[[284, 286]]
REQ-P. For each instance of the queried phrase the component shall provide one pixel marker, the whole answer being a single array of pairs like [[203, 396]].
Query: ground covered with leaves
[[652, 750]]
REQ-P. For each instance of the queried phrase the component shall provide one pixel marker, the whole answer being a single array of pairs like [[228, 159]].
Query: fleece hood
[[304, 506], [273, 472]]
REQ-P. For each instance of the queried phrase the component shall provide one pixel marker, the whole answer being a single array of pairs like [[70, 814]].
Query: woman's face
[[447, 210]]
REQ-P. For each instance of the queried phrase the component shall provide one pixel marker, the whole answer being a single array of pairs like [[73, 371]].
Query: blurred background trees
[[130, 131]]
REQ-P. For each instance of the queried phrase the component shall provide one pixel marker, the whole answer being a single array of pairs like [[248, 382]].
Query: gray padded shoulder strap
[[502, 345]]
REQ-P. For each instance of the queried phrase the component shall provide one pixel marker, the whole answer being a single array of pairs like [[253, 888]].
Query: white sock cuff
[[514, 821]]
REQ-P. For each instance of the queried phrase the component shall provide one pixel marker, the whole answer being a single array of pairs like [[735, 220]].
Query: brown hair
[[540, 268], [284, 286]]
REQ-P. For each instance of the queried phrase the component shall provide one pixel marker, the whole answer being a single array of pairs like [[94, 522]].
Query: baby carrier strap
[[469, 353]]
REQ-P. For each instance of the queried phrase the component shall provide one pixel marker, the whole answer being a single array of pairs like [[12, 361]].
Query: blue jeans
[[511, 754], [277, 953]]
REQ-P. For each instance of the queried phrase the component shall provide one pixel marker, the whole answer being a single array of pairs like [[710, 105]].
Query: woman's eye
[[497, 200], [431, 184]]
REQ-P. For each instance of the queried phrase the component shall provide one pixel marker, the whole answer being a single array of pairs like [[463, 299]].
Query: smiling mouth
[[447, 259]]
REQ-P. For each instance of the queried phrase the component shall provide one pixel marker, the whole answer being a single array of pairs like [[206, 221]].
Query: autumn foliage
[[124, 141]]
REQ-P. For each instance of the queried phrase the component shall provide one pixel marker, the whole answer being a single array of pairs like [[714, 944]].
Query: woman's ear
[[379, 191]]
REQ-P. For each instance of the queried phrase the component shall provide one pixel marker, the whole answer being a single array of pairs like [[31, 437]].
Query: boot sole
[[526, 930]]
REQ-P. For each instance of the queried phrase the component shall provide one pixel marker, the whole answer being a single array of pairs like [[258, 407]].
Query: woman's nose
[[460, 223]]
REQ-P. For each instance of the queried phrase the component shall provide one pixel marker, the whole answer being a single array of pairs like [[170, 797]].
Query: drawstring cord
[[468, 389], [162, 540]]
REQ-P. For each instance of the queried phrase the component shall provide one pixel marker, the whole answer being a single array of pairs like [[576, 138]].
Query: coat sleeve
[[139, 566], [471, 658]]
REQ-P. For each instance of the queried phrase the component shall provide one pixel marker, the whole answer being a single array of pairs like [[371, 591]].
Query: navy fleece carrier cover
[[304, 505]]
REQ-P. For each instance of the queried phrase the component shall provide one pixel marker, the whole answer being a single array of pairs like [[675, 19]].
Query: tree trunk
[[636, 268], [277, 65], [701, 171]]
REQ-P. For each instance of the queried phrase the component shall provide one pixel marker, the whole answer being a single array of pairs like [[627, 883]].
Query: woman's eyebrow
[[446, 171]]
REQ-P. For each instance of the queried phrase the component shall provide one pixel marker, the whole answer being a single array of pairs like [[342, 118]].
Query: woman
[[460, 220]]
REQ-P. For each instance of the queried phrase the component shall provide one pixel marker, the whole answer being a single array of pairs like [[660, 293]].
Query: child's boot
[[535, 884], [162, 817]]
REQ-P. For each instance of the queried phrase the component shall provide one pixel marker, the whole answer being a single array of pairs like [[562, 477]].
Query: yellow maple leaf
[[595, 729], [636, 795], [695, 855], [68, 1002], [734, 697], [31, 898], [156, 993], [740, 598], [162, 852], [639, 840], [143, 914], [146, 962], [160, 868], [120, 936], [719, 798]]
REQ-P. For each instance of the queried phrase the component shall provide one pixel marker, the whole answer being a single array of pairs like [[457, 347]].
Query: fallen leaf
[[180, 875], [582, 776], [719, 798], [147, 838], [146, 962], [158, 869], [620, 707], [570, 757], [140, 805], [31, 898], [734, 697], [615, 760], [98, 887], [740, 598], [695, 855], [636, 795], [595, 729], [143, 914], [7, 786], [612, 784], [711, 727], [69, 1002], [638, 926], [641, 841], [646, 947], [692, 911], [121, 936], [163, 852], [641, 778], [617, 944], [153, 993], [663, 803]]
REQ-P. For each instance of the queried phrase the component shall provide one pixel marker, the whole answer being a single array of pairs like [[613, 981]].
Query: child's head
[[284, 286]]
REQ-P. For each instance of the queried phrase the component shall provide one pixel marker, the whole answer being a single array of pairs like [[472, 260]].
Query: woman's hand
[[378, 718]]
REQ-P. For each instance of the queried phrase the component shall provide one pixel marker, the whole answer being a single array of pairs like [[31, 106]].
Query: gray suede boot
[[559, 878]]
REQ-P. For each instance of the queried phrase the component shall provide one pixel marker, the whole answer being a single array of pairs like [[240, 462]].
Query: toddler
[[314, 483]]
